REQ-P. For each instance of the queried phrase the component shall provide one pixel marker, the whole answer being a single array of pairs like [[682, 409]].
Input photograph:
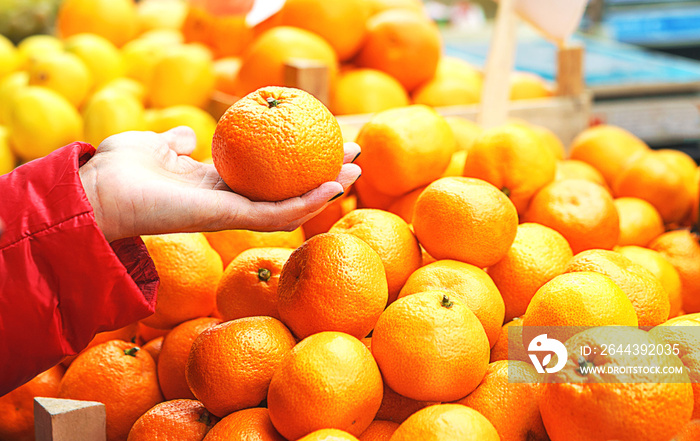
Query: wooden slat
[[309, 75], [69, 420], [570, 80]]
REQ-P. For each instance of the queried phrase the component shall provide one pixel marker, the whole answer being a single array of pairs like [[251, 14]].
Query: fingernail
[[356, 156], [358, 177], [336, 196]]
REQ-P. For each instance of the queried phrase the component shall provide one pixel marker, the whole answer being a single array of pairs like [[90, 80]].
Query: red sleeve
[[60, 280]]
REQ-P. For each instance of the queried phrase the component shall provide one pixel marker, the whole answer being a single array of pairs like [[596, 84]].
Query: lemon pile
[[126, 68]]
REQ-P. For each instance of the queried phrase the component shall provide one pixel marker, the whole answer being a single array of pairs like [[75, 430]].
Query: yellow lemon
[[167, 37], [9, 57], [64, 73], [7, 158], [100, 56], [161, 14], [127, 85], [527, 86], [42, 121], [10, 85], [115, 20], [184, 75], [140, 57], [35, 47], [109, 112], [200, 121]]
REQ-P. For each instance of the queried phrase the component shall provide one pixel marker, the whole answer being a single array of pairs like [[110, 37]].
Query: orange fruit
[[509, 345], [682, 249], [576, 406], [230, 35], [369, 197], [189, 271], [366, 91], [198, 25], [404, 44], [230, 243], [664, 178], [511, 158], [579, 299], [403, 206], [681, 333], [230, 365], [550, 140], [607, 148], [465, 219], [328, 435], [528, 86], [640, 222], [17, 406], [467, 283], [456, 166], [431, 331], [244, 425], [508, 396], [455, 82], [115, 20], [379, 430], [575, 169], [323, 221], [334, 282], [644, 290], [537, 255], [446, 422], [392, 239], [662, 269], [342, 24], [118, 374], [185, 420], [397, 408], [154, 347], [249, 285], [261, 140], [329, 380], [144, 333], [690, 432], [405, 148], [265, 59], [466, 132], [583, 212], [173, 357]]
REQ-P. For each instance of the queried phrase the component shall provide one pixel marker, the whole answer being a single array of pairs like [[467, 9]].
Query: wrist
[[88, 177]]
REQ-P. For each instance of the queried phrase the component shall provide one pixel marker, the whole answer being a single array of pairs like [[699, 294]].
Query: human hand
[[142, 183]]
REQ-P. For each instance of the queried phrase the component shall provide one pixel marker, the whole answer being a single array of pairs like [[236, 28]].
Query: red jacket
[[60, 280]]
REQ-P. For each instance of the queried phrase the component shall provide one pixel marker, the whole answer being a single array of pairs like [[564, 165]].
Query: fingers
[[352, 151], [181, 139], [349, 173]]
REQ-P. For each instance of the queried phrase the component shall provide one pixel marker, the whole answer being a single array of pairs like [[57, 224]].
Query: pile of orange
[[410, 317]]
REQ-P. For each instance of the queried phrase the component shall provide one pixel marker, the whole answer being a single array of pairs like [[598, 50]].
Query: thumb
[[181, 139]]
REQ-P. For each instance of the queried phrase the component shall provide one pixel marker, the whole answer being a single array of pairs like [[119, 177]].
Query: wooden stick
[[496, 92], [69, 420], [570, 80], [309, 75]]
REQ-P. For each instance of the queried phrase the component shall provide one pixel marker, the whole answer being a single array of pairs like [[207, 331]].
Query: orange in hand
[[277, 143]]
